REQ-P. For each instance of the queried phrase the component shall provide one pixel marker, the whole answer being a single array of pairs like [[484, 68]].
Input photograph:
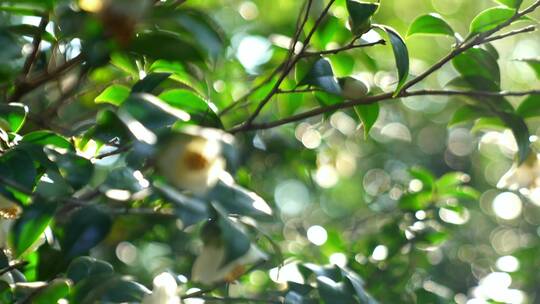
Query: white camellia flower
[[209, 269], [164, 291], [525, 178], [191, 162]]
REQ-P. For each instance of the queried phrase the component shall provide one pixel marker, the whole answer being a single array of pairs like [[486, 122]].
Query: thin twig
[[345, 48], [288, 66], [528, 29], [240, 299], [35, 48], [9, 268]]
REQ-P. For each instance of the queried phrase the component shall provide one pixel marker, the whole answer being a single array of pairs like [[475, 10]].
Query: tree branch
[[530, 28], [35, 48], [375, 99], [350, 46]]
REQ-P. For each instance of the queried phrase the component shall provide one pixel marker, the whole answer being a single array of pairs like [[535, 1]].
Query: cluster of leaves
[[83, 121]]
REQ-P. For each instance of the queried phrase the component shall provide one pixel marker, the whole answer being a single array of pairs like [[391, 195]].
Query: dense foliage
[[317, 151]]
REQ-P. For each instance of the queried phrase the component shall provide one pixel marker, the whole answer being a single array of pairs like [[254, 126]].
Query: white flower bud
[[164, 291], [191, 162], [522, 177]]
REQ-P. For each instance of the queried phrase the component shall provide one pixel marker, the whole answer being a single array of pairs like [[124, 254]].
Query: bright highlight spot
[[92, 6], [507, 206], [338, 259], [380, 253], [253, 51], [508, 263], [317, 235]]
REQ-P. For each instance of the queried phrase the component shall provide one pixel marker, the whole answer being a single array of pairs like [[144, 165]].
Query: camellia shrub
[[317, 151]]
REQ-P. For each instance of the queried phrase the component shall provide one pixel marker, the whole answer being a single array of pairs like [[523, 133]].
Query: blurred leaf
[[12, 116], [31, 225], [108, 128], [477, 62], [401, 55], [200, 110], [534, 64], [86, 228], [465, 114], [237, 200], [30, 31], [44, 138], [451, 180], [360, 15], [430, 24], [368, 114], [521, 133], [116, 289], [125, 63], [511, 3], [114, 94], [53, 292], [18, 166], [165, 45], [425, 176], [530, 107], [416, 201], [76, 169], [150, 82], [83, 267], [188, 209], [333, 292], [235, 240]]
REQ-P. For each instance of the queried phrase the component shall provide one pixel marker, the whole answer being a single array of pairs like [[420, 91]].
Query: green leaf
[[360, 15], [236, 241], [12, 116], [368, 114], [237, 200], [86, 228], [477, 62], [125, 63], [18, 166], [44, 138], [75, 169], [54, 291], [150, 82], [165, 45], [188, 209], [201, 111], [108, 127], [83, 267], [114, 94], [31, 225], [416, 201], [332, 292], [431, 24], [423, 175], [521, 133], [150, 111], [515, 4], [116, 290], [401, 55], [322, 76], [534, 64], [530, 107], [490, 19], [451, 180], [465, 114]]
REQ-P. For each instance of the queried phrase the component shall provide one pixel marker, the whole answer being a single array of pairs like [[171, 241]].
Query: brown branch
[[478, 39], [26, 86], [528, 29], [375, 99], [115, 152], [350, 46], [9, 268], [35, 48]]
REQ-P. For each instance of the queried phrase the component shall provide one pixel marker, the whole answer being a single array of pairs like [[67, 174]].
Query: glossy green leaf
[[114, 94], [465, 114], [237, 200], [236, 241], [75, 169], [31, 225], [322, 76], [431, 24], [401, 55], [521, 133], [44, 138], [12, 116], [17, 165], [368, 114], [360, 15], [490, 19]]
